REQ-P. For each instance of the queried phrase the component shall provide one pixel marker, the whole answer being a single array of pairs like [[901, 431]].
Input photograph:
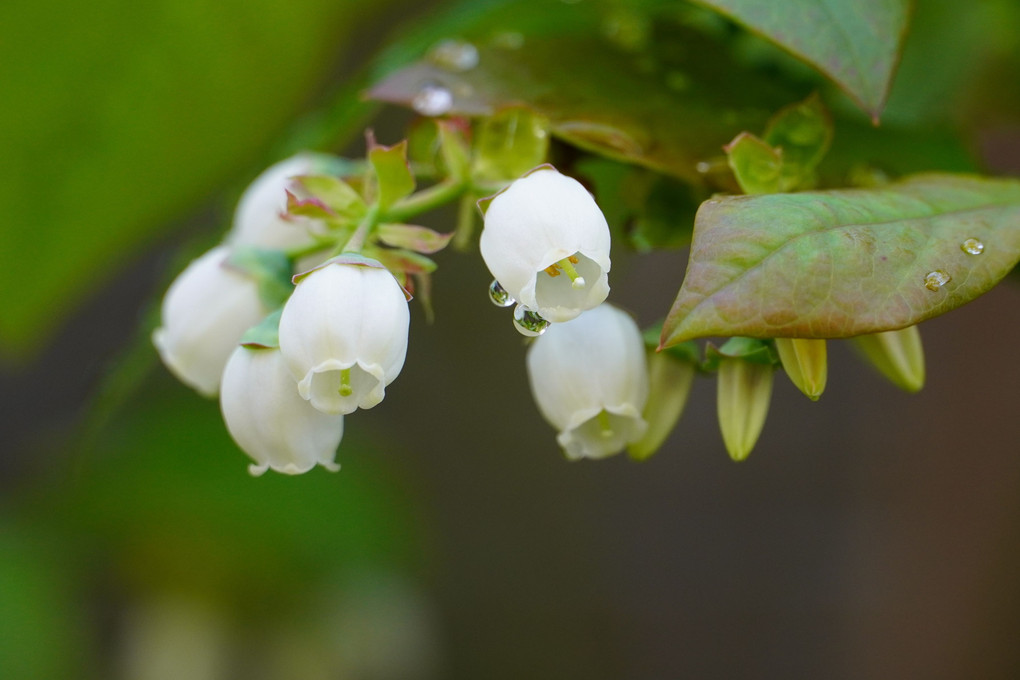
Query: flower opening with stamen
[[343, 333], [589, 377], [547, 243]]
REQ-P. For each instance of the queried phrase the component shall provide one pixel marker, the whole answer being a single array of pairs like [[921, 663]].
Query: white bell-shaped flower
[[590, 380], [343, 334], [260, 218], [270, 421], [547, 244], [206, 310]]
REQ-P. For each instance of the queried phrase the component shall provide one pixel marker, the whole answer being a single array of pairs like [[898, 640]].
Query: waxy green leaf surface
[[666, 104], [832, 264], [857, 44]]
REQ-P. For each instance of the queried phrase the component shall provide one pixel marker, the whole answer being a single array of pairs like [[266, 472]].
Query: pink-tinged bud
[[343, 334], [590, 381], [270, 421], [206, 310], [547, 243]]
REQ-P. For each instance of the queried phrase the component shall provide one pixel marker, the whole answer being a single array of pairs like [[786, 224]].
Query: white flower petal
[[259, 218], [345, 317], [270, 421], [205, 312], [589, 377], [539, 220]]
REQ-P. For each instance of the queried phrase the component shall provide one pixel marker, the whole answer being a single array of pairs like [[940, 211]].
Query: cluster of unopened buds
[[300, 316]]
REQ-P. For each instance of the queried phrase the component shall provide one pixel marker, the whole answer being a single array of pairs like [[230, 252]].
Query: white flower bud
[[590, 380], [547, 243], [260, 218], [343, 334], [270, 421], [205, 312]]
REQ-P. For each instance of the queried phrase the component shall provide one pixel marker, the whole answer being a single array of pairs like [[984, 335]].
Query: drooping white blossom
[[547, 243], [343, 334], [270, 421], [206, 310], [260, 217], [589, 377]]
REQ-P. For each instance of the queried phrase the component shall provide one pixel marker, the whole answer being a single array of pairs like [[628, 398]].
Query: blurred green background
[[871, 534]]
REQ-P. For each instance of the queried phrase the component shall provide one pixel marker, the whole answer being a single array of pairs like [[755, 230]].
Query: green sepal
[[751, 350], [756, 165], [265, 334], [670, 379], [394, 179], [271, 270], [802, 133], [313, 207], [412, 237], [334, 194], [353, 259], [401, 260], [509, 143]]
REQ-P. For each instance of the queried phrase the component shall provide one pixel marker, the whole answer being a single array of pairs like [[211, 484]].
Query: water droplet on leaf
[[972, 246], [499, 296], [454, 55], [432, 100], [529, 322], [936, 279]]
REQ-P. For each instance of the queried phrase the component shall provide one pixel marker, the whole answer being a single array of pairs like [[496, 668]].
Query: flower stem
[[425, 200]]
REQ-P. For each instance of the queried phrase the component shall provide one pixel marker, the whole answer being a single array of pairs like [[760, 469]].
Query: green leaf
[[857, 44], [130, 118], [756, 165], [333, 193], [509, 144], [802, 133], [270, 268], [841, 263], [393, 174], [419, 239], [665, 102]]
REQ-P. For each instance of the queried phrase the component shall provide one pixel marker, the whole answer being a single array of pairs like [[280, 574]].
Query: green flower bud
[[744, 393], [670, 377], [898, 355], [804, 361]]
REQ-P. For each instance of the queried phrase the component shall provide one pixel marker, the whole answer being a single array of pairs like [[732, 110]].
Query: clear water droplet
[[703, 167], [499, 296], [454, 55], [529, 322], [432, 100], [972, 246], [936, 279]]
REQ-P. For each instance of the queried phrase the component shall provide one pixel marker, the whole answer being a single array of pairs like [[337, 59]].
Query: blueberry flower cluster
[[289, 355]]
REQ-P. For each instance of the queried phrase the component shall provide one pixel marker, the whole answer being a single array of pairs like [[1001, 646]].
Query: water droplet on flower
[[703, 167], [529, 322], [454, 55], [499, 296], [432, 100], [508, 40], [936, 279], [972, 246]]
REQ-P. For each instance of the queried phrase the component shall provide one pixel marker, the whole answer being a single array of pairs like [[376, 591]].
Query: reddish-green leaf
[[855, 43], [842, 263], [392, 172]]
